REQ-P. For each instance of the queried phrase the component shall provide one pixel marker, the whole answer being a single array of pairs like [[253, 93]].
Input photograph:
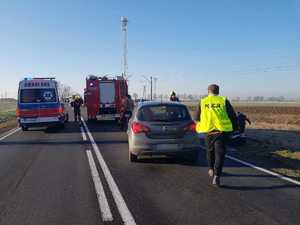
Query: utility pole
[[151, 94], [155, 93], [150, 81], [144, 92]]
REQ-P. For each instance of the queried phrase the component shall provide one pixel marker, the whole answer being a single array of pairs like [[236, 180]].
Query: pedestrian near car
[[216, 119]]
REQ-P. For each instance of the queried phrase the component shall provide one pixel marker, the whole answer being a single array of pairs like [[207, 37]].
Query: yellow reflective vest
[[213, 115]]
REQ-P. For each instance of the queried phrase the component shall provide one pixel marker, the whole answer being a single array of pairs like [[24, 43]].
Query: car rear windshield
[[37, 95], [163, 113]]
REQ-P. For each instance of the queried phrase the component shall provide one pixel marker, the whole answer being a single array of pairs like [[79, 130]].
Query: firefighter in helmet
[[127, 108], [173, 97], [76, 104], [127, 104]]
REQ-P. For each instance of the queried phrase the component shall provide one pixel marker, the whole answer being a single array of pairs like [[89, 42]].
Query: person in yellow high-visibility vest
[[216, 118]]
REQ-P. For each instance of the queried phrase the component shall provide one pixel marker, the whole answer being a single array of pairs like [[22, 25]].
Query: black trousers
[[216, 150], [77, 114]]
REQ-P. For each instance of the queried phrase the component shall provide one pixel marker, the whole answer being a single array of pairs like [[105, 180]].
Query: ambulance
[[39, 104]]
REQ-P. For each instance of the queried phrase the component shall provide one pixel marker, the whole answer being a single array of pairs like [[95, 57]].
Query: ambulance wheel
[[67, 118], [24, 128]]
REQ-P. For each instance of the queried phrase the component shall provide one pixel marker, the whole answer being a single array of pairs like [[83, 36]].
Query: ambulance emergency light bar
[[39, 78]]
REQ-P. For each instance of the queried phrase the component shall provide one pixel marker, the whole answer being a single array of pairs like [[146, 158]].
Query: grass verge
[[272, 157]]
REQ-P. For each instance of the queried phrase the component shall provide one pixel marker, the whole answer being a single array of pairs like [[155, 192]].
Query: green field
[[7, 111]]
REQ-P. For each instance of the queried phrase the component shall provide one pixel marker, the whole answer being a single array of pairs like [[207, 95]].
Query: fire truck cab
[[103, 97]]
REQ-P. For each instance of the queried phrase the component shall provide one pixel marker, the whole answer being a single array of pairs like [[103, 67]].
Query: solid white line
[[102, 200], [119, 200], [11, 132], [83, 134], [263, 170]]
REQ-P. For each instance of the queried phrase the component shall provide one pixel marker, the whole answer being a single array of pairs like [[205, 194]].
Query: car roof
[[158, 103]]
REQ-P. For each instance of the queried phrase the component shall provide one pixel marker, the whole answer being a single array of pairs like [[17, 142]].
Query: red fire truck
[[103, 97]]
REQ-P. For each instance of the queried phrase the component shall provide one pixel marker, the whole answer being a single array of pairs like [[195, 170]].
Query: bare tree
[[135, 96], [64, 91]]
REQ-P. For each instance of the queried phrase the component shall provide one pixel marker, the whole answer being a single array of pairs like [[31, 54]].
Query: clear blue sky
[[248, 47]]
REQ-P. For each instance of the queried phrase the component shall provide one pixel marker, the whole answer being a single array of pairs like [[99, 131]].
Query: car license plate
[[106, 117], [29, 119], [165, 147]]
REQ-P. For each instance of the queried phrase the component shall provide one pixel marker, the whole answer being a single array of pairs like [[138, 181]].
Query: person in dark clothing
[[173, 97], [242, 118], [217, 119], [76, 104]]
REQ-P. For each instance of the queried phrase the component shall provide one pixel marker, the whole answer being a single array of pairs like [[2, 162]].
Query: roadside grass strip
[[102, 200], [264, 170], [9, 133], [118, 198]]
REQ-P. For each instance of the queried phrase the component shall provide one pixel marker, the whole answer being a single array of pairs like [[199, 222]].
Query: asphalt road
[[46, 179]]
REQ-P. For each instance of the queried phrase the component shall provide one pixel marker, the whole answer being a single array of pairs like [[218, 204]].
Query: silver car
[[162, 128]]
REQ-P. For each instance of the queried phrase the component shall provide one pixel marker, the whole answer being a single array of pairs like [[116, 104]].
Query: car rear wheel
[[132, 157], [24, 128]]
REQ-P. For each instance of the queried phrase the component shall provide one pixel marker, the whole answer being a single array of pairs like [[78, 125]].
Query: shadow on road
[[104, 126], [260, 188]]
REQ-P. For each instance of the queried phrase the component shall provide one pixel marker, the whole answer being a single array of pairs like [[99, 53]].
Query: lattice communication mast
[[124, 25]]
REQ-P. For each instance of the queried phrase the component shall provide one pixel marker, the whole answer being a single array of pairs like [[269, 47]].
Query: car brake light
[[18, 112], [191, 127], [139, 128]]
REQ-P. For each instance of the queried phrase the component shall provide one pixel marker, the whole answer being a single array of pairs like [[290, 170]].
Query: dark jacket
[[230, 112], [174, 99], [76, 104]]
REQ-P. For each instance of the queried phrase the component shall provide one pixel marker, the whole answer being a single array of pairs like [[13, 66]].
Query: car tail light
[[18, 112], [139, 128], [191, 127]]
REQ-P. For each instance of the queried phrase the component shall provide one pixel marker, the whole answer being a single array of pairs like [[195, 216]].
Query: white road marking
[[11, 132], [102, 200], [83, 134], [263, 170], [259, 168], [119, 200]]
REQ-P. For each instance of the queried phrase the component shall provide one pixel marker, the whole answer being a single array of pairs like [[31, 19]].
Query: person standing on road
[[127, 108], [127, 105], [217, 119], [76, 104]]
